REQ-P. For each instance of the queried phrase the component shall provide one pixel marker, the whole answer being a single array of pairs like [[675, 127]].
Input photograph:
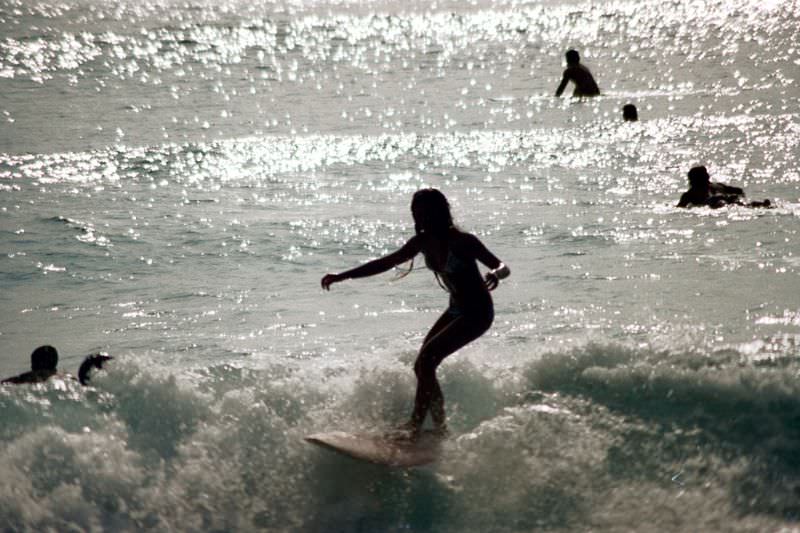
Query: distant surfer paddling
[[452, 255], [704, 192], [44, 365], [578, 74]]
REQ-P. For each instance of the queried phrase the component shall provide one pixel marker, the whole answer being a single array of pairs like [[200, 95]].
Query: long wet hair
[[431, 212]]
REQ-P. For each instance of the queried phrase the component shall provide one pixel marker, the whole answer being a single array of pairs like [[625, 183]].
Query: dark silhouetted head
[[630, 113], [44, 358], [698, 177], [431, 212], [573, 58], [92, 361]]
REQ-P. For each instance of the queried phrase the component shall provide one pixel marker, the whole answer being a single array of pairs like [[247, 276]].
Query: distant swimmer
[[703, 192], [579, 75], [90, 363], [630, 113], [452, 254], [44, 363]]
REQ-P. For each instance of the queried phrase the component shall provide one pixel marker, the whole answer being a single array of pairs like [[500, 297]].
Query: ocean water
[[176, 177]]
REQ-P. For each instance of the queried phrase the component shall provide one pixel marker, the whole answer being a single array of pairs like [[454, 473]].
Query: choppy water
[[177, 176]]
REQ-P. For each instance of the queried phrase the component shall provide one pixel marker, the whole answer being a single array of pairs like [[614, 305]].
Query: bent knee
[[425, 366]]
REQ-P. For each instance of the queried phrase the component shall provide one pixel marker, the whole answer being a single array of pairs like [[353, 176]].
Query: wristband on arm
[[501, 272]]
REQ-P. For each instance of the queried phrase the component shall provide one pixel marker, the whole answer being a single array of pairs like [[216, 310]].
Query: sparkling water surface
[[176, 177]]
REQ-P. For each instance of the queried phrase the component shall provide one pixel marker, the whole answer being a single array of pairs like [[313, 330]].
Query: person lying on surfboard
[[452, 255], [702, 191]]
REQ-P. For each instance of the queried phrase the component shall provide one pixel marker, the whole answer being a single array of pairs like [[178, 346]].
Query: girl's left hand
[[330, 279], [491, 281]]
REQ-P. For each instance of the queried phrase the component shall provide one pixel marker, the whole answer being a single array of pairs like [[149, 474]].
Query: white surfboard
[[381, 448]]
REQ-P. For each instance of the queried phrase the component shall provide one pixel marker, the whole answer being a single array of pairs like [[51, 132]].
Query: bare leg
[[418, 416], [448, 335]]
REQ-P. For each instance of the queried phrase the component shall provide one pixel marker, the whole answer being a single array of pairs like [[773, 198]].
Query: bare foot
[[441, 432], [407, 431]]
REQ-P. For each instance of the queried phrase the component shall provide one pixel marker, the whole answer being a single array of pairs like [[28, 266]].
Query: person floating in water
[[91, 362], [630, 113], [579, 75], [44, 365], [452, 255], [703, 192]]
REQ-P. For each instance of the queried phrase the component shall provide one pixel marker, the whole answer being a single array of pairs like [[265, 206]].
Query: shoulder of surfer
[[464, 244]]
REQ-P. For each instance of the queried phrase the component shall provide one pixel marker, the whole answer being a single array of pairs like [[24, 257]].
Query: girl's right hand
[[330, 279], [491, 281]]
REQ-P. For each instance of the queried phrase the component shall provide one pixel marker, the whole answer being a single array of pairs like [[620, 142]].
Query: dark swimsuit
[[457, 272]]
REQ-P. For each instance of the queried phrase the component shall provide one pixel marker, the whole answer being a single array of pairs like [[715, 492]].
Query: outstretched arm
[[376, 266], [724, 188]]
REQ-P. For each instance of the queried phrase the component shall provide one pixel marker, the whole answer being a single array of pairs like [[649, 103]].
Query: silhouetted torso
[[458, 270], [716, 195], [583, 80]]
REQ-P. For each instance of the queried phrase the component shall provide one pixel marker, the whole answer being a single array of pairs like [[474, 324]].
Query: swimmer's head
[[698, 176], [44, 358], [629, 113], [573, 58], [431, 212]]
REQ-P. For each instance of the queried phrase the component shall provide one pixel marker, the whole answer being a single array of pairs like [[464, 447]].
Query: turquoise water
[[177, 177]]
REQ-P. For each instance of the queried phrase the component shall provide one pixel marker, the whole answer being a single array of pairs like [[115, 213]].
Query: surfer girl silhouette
[[452, 254]]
